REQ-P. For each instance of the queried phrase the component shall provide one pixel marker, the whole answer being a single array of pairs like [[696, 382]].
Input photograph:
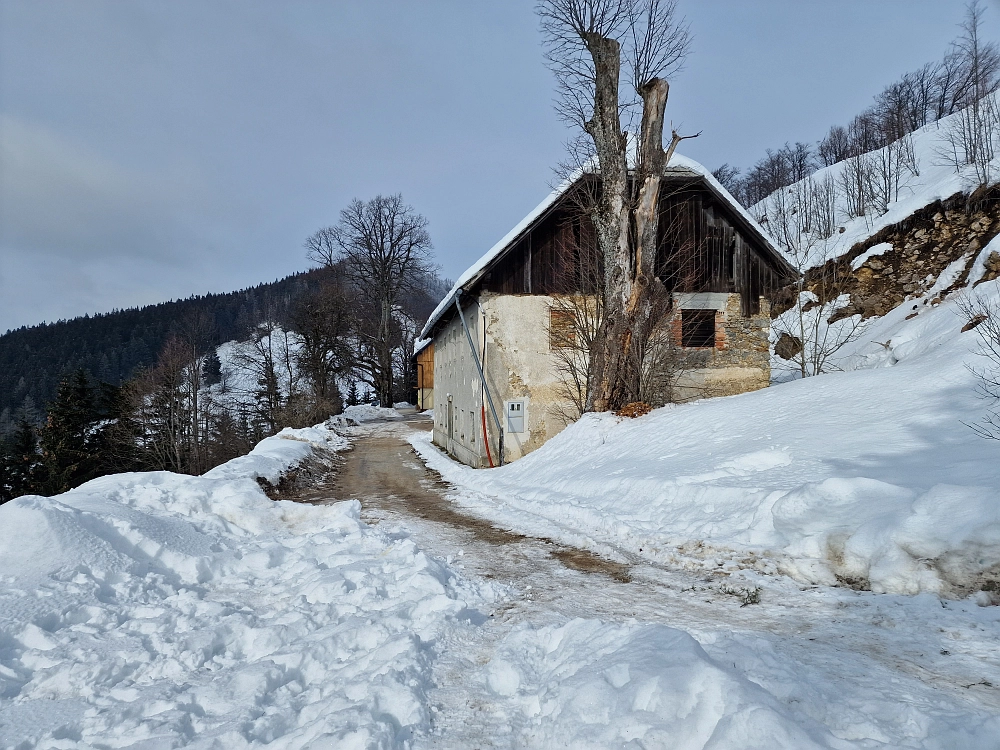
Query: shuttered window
[[562, 328], [698, 329]]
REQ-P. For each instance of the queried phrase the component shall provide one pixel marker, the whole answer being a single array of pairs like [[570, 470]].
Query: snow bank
[[367, 413], [157, 610], [162, 610], [868, 477], [273, 455], [586, 684]]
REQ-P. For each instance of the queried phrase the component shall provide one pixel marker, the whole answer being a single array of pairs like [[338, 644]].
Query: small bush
[[746, 596]]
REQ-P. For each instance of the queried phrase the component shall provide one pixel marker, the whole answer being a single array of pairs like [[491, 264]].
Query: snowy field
[[154, 610]]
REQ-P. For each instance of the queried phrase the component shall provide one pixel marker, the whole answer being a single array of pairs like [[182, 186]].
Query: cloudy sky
[[151, 150]]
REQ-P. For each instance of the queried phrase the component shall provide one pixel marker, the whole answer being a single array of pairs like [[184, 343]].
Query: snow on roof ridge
[[684, 162], [677, 163]]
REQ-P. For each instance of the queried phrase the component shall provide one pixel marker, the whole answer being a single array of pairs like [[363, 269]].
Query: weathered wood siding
[[701, 249], [425, 377]]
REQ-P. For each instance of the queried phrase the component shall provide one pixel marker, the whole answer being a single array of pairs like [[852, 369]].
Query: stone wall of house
[[740, 361]]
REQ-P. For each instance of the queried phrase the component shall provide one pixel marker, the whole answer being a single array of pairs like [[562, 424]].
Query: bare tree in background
[[974, 138], [267, 360], [324, 323], [729, 177], [799, 218], [197, 331], [984, 316], [587, 44], [163, 410], [384, 248]]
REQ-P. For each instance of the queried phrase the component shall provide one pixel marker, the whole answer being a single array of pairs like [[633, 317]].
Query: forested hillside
[[112, 347]]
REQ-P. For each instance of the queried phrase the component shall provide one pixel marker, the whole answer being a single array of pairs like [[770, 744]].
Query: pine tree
[[20, 462], [67, 445], [352, 394], [211, 368]]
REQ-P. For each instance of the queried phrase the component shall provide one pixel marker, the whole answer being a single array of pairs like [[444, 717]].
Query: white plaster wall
[[457, 392], [518, 365], [521, 366]]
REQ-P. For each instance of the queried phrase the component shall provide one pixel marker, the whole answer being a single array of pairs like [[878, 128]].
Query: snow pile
[[272, 456], [368, 413], [159, 610], [586, 684], [868, 477], [162, 610]]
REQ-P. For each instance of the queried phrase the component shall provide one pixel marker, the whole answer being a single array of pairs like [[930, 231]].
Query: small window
[[698, 329], [562, 329]]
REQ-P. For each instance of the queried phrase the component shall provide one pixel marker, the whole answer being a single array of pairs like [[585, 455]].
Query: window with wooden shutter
[[698, 329], [562, 328]]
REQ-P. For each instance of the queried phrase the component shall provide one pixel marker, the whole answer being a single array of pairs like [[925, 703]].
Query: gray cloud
[[151, 150], [61, 198]]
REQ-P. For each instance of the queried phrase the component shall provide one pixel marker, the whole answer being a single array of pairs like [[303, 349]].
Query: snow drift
[[156, 610], [163, 610]]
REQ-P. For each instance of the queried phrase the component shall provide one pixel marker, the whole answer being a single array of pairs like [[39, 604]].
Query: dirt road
[[864, 653], [392, 483]]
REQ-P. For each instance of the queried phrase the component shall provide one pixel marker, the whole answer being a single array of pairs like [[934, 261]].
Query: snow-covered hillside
[[926, 174]]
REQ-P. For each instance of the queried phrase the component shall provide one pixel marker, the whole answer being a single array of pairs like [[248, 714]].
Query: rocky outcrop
[[923, 246]]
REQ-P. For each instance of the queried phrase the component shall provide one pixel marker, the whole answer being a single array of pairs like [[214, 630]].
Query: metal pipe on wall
[[482, 375]]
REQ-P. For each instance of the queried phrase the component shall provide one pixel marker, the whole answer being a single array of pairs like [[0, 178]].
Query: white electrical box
[[516, 415]]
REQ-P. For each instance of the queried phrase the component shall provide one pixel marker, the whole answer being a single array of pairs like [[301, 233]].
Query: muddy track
[[383, 472]]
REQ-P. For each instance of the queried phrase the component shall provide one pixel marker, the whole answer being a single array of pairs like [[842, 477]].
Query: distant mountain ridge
[[113, 346]]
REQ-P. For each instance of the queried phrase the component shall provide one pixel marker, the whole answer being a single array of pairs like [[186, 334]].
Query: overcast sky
[[154, 150]]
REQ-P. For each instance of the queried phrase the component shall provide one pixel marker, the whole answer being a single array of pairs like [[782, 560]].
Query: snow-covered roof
[[420, 344], [679, 165], [476, 270]]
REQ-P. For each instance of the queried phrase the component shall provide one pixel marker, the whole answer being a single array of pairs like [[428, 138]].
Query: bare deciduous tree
[[974, 137], [324, 323], [383, 247], [984, 317], [588, 42], [797, 218]]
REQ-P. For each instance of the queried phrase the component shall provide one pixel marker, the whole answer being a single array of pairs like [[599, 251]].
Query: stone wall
[[946, 232], [740, 361]]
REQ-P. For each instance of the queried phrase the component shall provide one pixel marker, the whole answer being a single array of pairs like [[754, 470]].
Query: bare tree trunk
[[631, 285], [611, 221]]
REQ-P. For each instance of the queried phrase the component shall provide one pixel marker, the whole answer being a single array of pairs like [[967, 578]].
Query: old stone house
[[507, 316]]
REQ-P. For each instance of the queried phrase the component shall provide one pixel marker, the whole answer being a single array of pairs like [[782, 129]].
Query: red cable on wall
[[486, 439]]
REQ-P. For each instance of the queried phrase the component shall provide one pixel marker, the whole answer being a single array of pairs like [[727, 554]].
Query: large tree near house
[[383, 249], [591, 46]]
